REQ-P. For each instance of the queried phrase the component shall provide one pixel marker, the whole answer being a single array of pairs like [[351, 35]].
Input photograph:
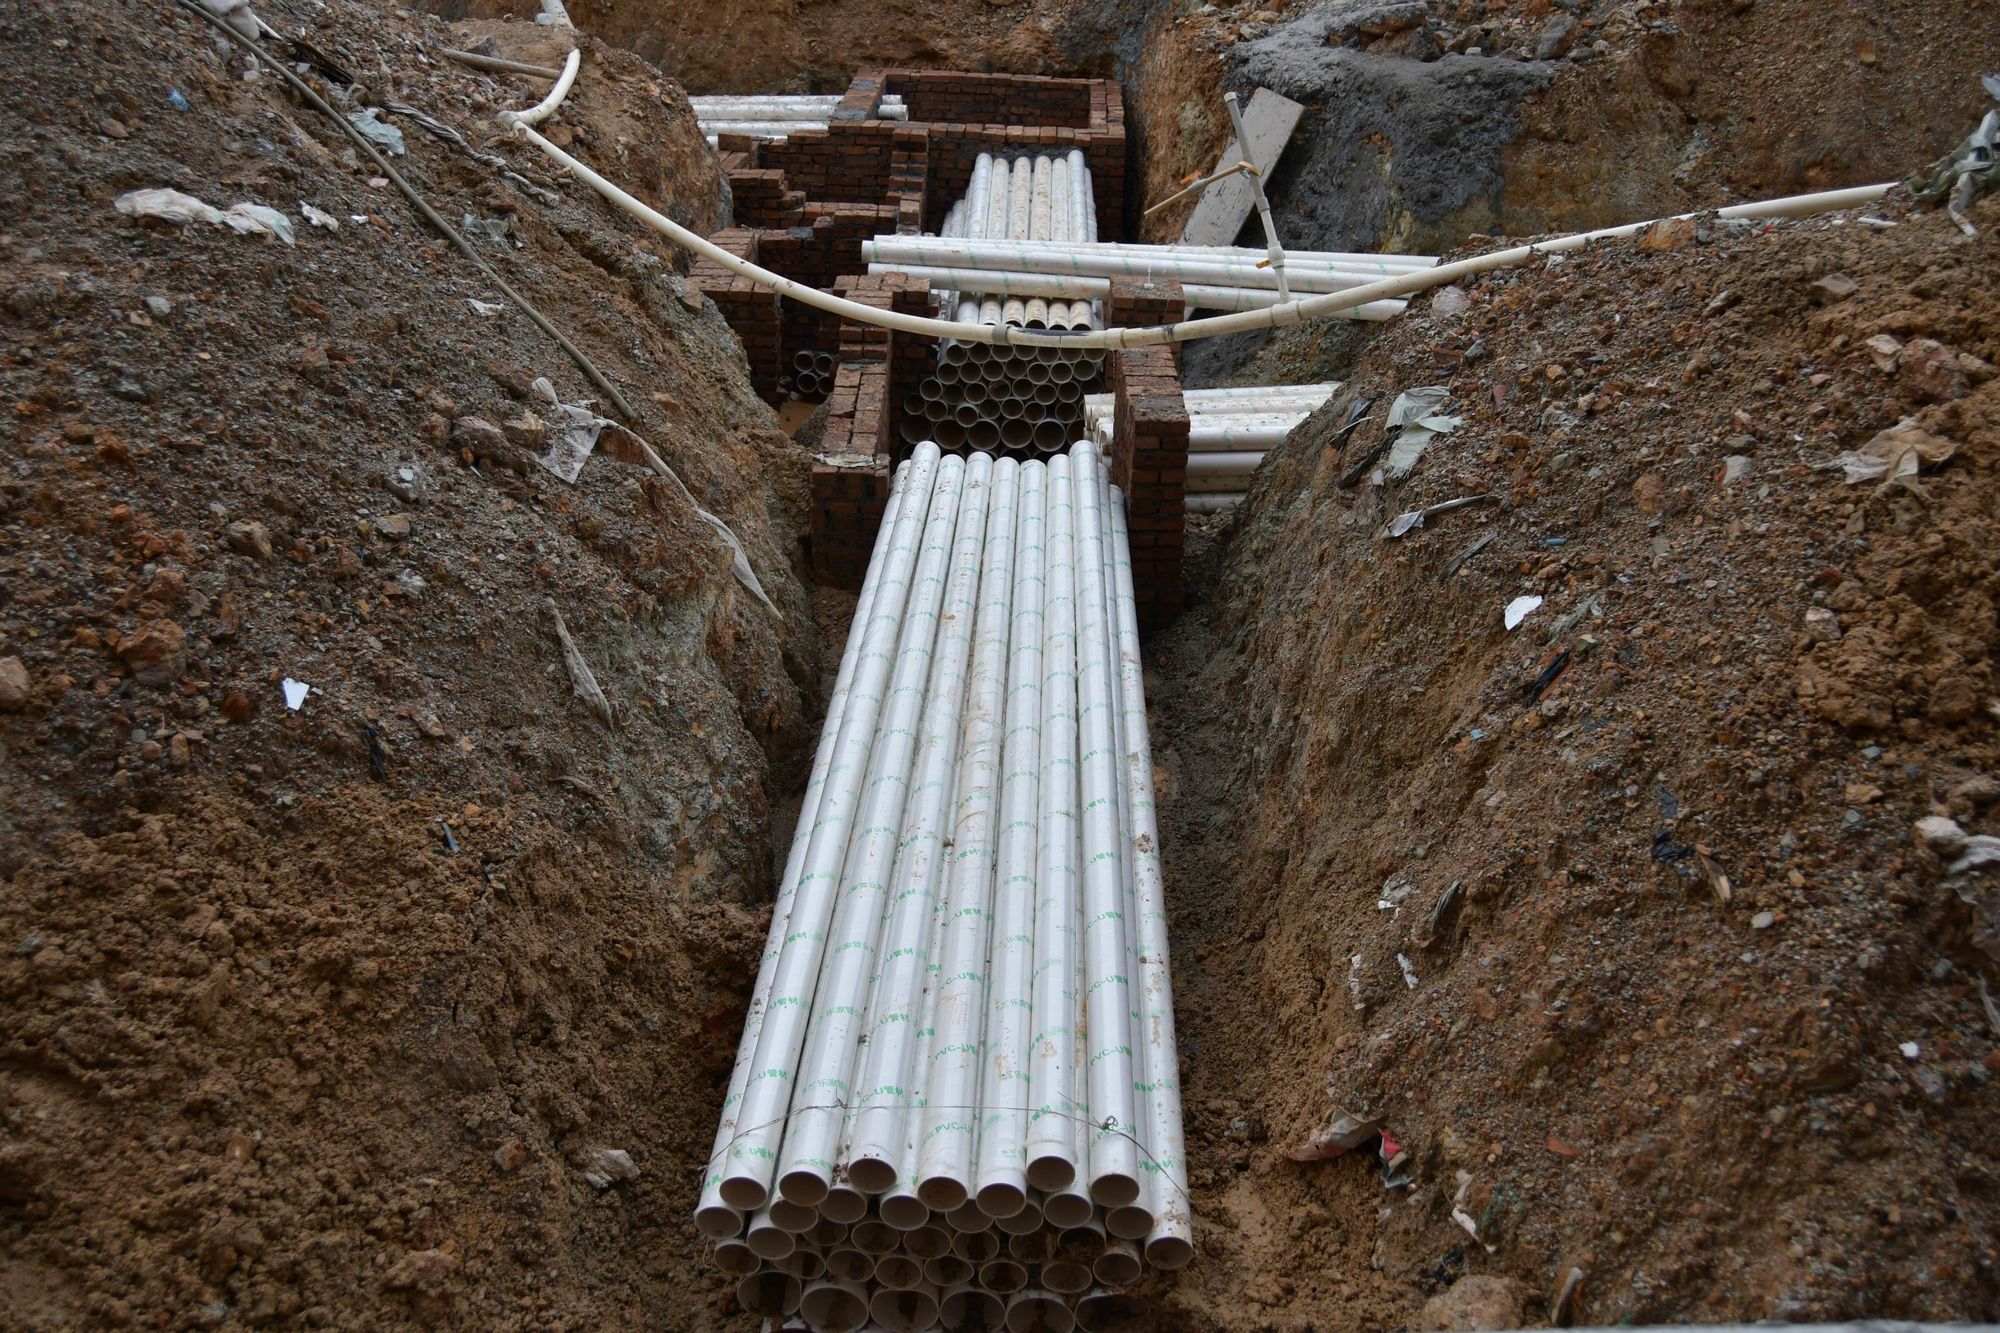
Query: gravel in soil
[[1620, 922], [338, 1015]]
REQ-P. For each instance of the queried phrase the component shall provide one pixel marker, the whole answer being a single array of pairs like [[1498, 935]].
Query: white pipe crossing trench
[[956, 1098]]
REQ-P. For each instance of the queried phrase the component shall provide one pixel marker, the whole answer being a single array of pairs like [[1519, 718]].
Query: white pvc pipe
[[762, 129], [1052, 1073], [713, 1216], [1213, 502], [1208, 465], [1171, 1242], [954, 254], [1019, 288], [1114, 1162], [881, 1088], [1032, 280], [1000, 1180], [1120, 259], [762, 1118], [1276, 398], [545, 108], [1241, 432], [951, 1079], [826, 1064]]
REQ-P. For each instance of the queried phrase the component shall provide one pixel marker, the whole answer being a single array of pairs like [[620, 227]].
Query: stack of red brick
[[752, 311], [1150, 447]]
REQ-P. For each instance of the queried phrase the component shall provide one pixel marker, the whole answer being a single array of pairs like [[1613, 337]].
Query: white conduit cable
[[1281, 315], [545, 108]]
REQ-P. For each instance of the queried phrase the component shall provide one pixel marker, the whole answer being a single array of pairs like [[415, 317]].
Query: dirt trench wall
[[1569, 117], [337, 1015], [1617, 920]]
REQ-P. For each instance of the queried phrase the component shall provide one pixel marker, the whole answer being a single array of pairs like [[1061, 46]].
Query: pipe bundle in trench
[[777, 117], [1229, 431], [1022, 402], [956, 1100]]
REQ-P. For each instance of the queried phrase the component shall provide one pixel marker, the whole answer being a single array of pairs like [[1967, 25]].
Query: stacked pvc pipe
[[811, 375], [775, 117], [1020, 402], [1214, 277], [1229, 431], [956, 1099]]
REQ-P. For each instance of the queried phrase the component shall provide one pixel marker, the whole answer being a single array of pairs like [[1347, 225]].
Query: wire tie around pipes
[[430, 214]]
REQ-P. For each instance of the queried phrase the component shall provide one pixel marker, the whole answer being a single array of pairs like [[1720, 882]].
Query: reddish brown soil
[[278, 1049], [1703, 1105]]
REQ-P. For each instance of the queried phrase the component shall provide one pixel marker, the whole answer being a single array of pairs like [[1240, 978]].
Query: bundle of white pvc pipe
[[776, 117], [1283, 314], [956, 1098], [1229, 431], [1026, 403]]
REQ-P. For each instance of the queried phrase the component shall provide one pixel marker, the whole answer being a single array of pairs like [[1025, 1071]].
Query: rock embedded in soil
[[14, 691], [249, 538]]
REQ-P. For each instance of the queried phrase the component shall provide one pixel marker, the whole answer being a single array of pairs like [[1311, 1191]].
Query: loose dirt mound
[[1474, 880], [319, 1017]]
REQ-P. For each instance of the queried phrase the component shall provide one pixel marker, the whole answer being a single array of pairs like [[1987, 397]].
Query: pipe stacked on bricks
[[1229, 431], [1020, 402], [1213, 277], [956, 1100], [776, 117]]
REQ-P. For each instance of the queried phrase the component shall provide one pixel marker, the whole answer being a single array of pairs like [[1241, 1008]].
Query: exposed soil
[[327, 1017], [1707, 1106], [318, 1017]]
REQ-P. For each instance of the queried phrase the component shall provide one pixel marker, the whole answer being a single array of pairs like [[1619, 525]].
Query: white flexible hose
[[545, 108], [1215, 326]]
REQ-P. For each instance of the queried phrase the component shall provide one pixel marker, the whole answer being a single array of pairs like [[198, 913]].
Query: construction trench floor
[[318, 1017]]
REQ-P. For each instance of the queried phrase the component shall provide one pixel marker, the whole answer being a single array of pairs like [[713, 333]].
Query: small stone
[[167, 587], [1763, 920], [396, 527], [1649, 493], [1883, 349], [1555, 37], [249, 538], [510, 1156], [13, 685], [1734, 469], [610, 1166], [1940, 834], [1822, 625], [113, 129], [155, 646], [1475, 1301], [236, 706], [527, 430], [1667, 235], [159, 306], [1834, 288], [1863, 793], [1929, 372]]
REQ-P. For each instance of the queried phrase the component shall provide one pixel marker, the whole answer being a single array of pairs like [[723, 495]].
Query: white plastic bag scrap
[[572, 435], [181, 209], [317, 218], [167, 205], [257, 218], [1414, 410], [238, 15], [378, 132]]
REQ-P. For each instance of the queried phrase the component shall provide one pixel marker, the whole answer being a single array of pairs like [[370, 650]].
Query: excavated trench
[[352, 1000]]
